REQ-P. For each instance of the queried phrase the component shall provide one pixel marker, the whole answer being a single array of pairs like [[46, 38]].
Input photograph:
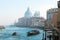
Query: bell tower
[[58, 4]]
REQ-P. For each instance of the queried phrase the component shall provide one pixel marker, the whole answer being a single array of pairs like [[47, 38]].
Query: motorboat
[[14, 34], [32, 32]]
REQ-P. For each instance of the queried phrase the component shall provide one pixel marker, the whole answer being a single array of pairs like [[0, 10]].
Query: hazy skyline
[[11, 10]]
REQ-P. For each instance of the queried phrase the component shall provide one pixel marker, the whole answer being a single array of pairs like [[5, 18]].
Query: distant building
[[28, 13], [38, 21], [32, 22], [29, 20], [37, 14]]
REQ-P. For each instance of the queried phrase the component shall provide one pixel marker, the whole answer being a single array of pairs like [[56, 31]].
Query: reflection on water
[[6, 34]]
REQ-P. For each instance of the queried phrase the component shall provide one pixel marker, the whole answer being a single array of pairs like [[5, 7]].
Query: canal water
[[6, 34]]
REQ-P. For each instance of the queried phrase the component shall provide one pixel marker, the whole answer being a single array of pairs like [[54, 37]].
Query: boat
[[32, 32], [14, 34], [2, 27]]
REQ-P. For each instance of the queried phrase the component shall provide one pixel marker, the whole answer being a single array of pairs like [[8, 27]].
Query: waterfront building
[[20, 22], [55, 22], [23, 22], [51, 17], [52, 20], [32, 22], [58, 15], [58, 19], [37, 21]]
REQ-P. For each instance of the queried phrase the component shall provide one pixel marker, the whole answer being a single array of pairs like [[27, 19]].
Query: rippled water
[[6, 34]]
